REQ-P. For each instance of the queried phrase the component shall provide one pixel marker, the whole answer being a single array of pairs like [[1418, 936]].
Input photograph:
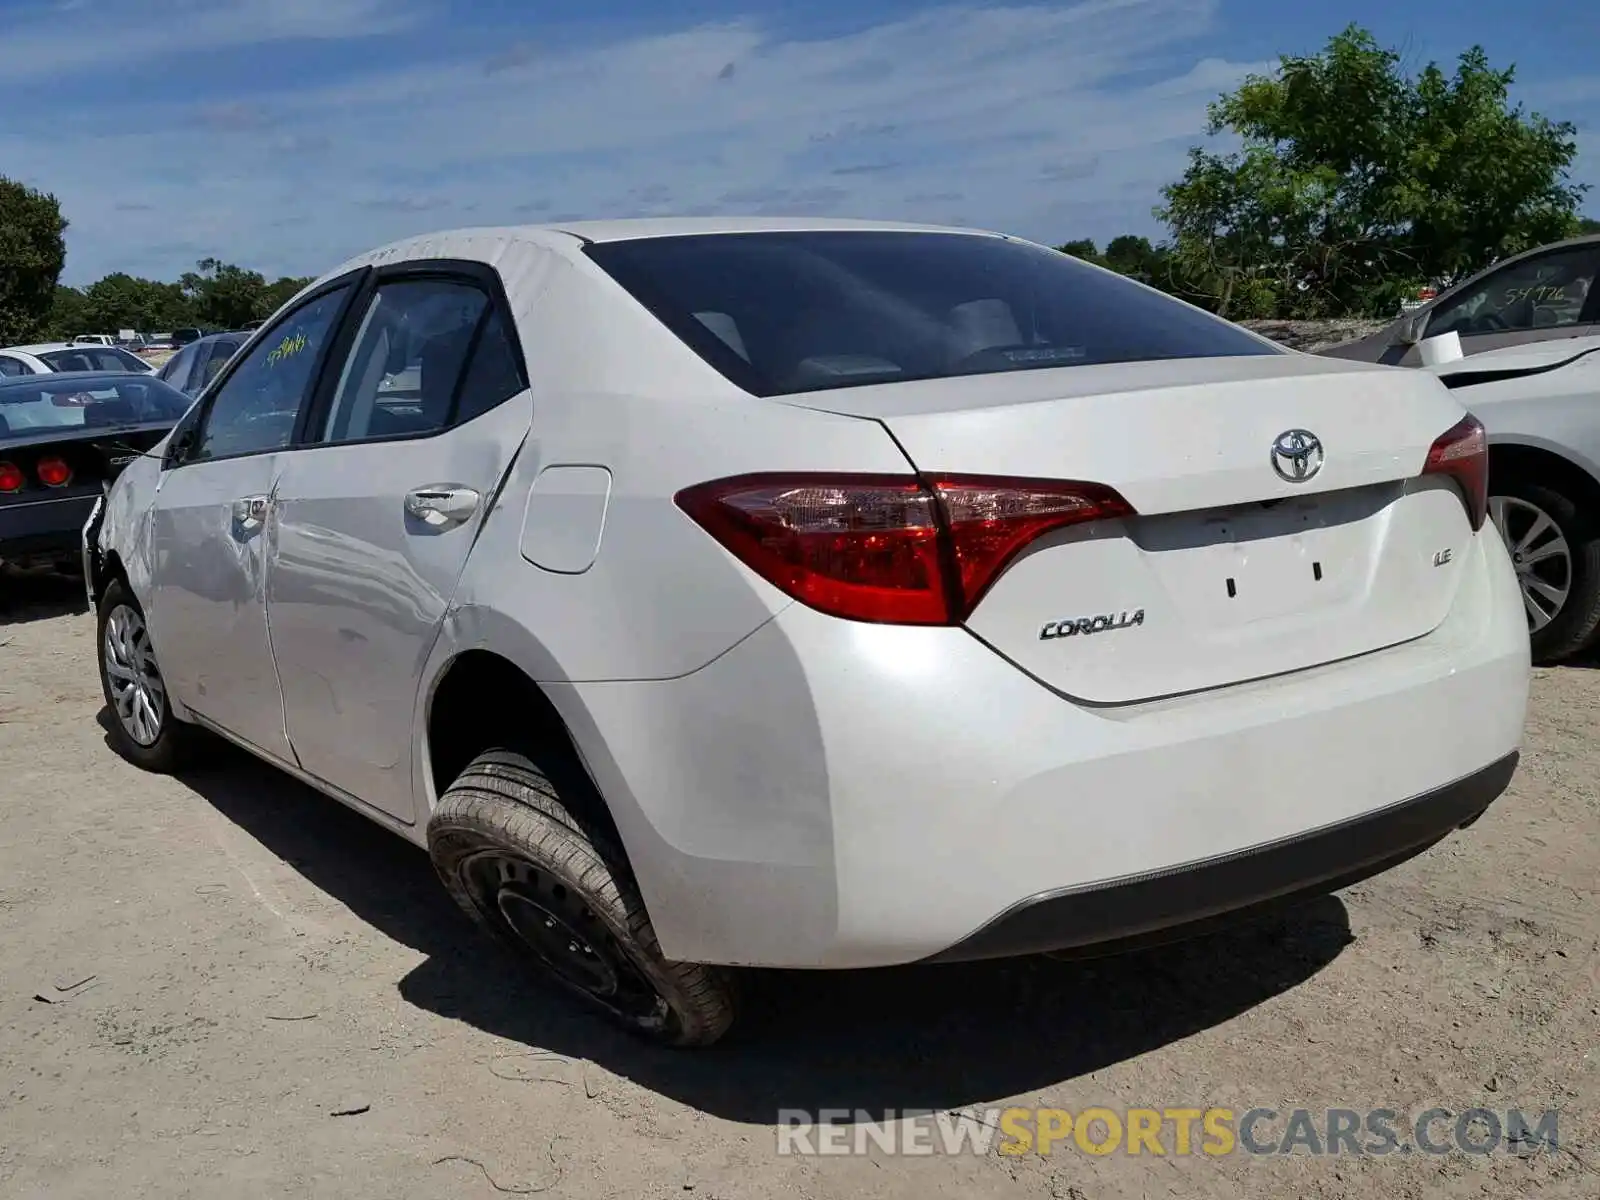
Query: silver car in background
[[1541, 407], [1545, 294]]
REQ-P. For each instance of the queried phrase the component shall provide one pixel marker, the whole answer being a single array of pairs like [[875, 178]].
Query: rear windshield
[[91, 358], [47, 404], [780, 313]]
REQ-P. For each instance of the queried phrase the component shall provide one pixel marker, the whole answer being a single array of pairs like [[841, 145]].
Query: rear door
[[375, 513], [1539, 298]]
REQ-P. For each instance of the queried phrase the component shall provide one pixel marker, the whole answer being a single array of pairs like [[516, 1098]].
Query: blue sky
[[286, 135]]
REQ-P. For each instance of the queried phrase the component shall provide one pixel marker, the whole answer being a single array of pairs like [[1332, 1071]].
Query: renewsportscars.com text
[[1167, 1131]]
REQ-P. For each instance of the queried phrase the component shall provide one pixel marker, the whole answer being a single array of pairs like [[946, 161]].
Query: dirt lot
[[229, 962]]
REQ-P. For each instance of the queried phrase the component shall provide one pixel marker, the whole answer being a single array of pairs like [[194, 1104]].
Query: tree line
[[1355, 184]]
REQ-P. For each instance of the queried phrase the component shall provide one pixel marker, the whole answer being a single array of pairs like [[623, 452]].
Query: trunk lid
[[1229, 572]]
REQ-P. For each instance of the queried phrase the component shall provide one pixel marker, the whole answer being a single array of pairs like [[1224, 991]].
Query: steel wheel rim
[[556, 926], [138, 693], [1539, 552]]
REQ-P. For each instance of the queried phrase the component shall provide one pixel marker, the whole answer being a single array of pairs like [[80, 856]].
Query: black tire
[[558, 893], [1574, 626], [173, 746]]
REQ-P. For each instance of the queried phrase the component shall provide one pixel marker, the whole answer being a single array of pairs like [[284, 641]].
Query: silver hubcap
[[1540, 553], [137, 692]]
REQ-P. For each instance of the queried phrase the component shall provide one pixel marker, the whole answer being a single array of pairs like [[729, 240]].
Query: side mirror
[[1410, 331], [179, 444]]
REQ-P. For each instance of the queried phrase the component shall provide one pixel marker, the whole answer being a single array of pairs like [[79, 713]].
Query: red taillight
[[1462, 452], [888, 549], [53, 472], [11, 479]]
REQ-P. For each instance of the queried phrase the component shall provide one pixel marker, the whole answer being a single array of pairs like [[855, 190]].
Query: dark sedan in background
[[63, 438], [197, 364]]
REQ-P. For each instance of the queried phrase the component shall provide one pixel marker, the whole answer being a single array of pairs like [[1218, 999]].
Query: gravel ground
[[201, 975]]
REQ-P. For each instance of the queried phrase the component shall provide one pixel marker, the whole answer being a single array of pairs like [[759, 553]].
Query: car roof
[[39, 348], [490, 243], [654, 227]]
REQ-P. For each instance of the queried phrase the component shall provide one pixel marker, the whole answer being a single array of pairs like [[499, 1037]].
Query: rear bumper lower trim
[[1184, 901]]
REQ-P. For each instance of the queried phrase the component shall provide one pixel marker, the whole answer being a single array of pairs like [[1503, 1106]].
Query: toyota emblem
[[1296, 455]]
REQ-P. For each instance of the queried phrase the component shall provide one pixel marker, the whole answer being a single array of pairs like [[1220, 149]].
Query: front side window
[[1547, 291], [256, 407], [401, 375], [780, 313]]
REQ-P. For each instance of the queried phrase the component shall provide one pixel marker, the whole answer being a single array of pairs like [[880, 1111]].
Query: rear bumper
[[51, 527], [833, 794], [1187, 900]]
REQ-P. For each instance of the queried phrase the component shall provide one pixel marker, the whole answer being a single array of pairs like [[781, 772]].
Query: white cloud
[[121, 32], [1022, 118]]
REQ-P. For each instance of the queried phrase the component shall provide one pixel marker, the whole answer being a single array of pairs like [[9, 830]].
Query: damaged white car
[[712, 594]]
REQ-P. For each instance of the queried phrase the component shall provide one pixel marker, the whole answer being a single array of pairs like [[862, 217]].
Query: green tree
[[1085, 249], [278, 293], [1136, 257], [66, 314], [1356, 183], [33, 250], [224, 296], [1588, 225], [121, 301]]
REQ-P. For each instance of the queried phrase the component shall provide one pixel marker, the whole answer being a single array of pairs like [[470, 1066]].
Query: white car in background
[[710, 594], [1540, 404], [47, 357]]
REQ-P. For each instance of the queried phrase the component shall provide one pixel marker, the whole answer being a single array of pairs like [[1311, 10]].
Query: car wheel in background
[[527, 871], [1555, 548], [143, 729]]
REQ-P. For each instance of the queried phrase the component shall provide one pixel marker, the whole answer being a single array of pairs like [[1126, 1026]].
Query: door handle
[[441, 504], [249, 513]]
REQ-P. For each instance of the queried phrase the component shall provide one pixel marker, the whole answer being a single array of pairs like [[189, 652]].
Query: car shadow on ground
[[905, 1038], [39, 594]]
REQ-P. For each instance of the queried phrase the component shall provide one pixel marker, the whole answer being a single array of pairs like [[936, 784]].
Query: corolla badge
[[1296, 455], [1103, 623]]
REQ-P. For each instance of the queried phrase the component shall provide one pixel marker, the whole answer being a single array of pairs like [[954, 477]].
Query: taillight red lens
[[1462, 453], [888, 549], [53, 472], [992, 520], [11, 479]]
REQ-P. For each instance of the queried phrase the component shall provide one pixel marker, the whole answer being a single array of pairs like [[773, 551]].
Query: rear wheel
[[531, 874], [1555, 548], [143, 729]]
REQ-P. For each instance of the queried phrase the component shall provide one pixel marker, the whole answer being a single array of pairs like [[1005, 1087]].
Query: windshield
[[46, 404], [91, 358], [780, 313]]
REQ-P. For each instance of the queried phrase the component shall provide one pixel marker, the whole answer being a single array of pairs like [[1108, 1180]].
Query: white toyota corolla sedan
[[707, 594]]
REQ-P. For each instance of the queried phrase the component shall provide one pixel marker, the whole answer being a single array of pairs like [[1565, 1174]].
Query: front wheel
[[1555, 549], [143, 729], [528, 872]]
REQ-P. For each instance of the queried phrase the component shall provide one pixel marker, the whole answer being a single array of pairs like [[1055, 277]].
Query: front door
[[375, 517], [208, 616], [211, 528]]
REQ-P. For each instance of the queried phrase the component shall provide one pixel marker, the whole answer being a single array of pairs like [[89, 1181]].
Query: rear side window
[[493, 374], [89, 357], [780, 313]]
